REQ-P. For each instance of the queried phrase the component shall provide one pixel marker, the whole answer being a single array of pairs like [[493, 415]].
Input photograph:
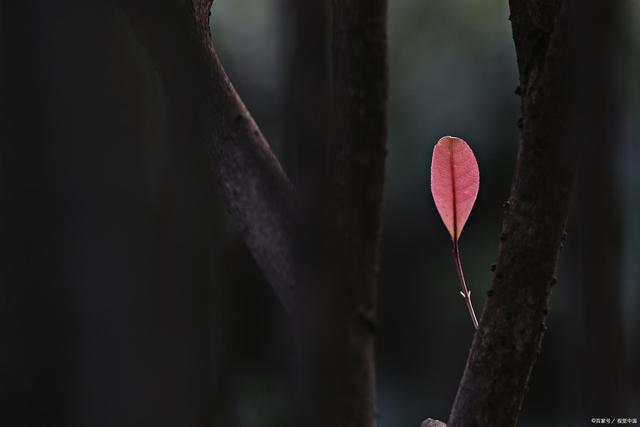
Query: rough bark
[[318, 245], [508, 341], [256, 190]]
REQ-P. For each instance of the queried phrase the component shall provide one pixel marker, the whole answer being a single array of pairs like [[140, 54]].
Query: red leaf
[[455, 179]]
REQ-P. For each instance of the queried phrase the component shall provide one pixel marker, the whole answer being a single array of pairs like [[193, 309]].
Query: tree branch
[[320, 255], [357, 151], [255, 189], [338, 354], [508, 341]]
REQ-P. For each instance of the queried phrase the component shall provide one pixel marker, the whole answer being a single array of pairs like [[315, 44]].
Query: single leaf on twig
[[455, 180]]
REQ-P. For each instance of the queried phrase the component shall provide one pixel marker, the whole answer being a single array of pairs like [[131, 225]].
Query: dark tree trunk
[[338, 356], [256, 190], [307, 86], [316, 244], [508, 341]]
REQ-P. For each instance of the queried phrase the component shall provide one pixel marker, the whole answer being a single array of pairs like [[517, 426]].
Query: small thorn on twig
[[493, 267], [463, 295], [554, 280], [506, 205]]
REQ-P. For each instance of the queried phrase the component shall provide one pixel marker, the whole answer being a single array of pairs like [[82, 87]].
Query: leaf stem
[[465, 292]]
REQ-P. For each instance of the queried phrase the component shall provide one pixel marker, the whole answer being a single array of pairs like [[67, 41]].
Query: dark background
[[128, 299]]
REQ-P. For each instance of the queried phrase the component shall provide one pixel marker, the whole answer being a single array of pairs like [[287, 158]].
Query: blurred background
[[127, 297]]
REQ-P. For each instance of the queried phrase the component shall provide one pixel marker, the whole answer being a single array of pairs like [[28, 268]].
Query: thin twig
[[465, 292]]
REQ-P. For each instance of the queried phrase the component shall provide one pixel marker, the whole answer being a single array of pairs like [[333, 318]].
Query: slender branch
[[466, 294], [509, 337], [255, 189], [339, 354]]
